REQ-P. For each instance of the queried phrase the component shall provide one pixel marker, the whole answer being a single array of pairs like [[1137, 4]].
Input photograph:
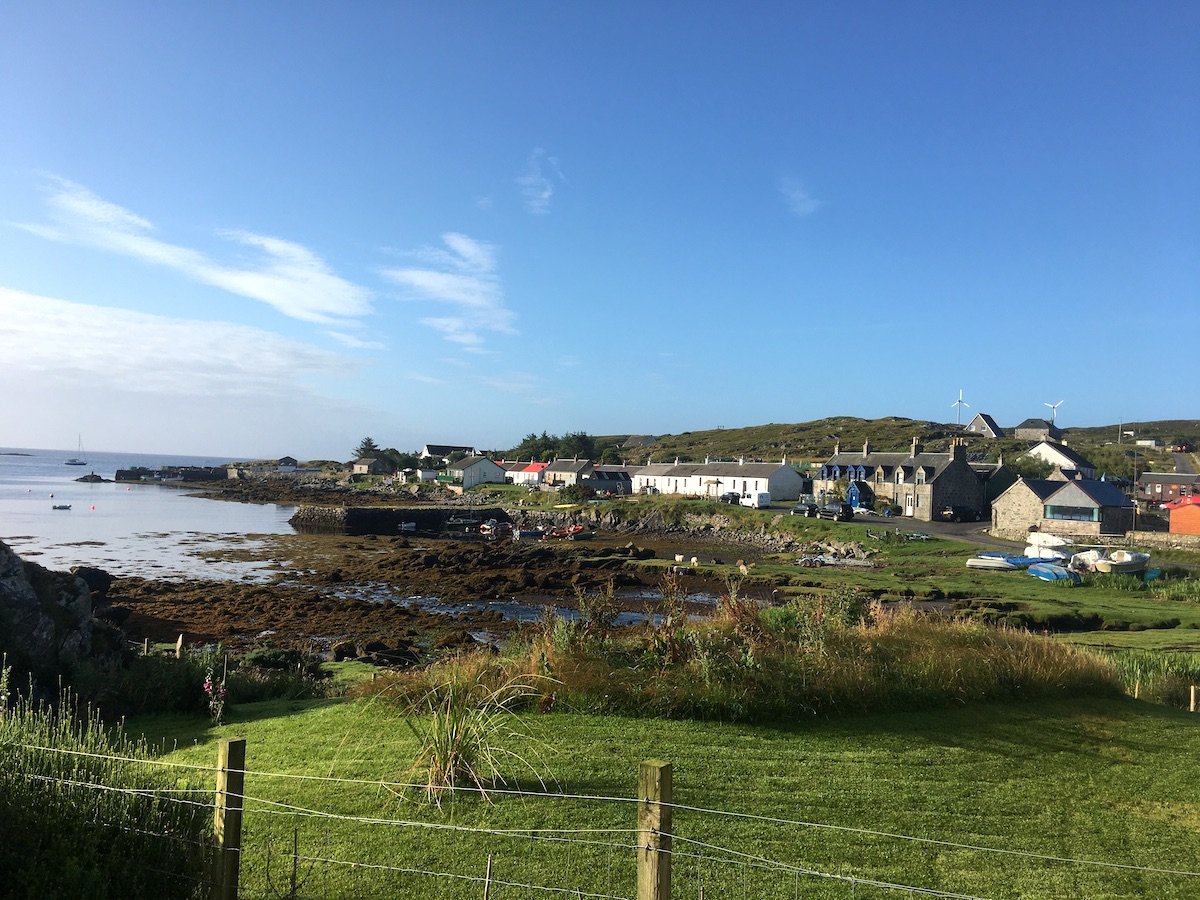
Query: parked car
[[730, 497], [808, 510], [838, 512], [957, 514]]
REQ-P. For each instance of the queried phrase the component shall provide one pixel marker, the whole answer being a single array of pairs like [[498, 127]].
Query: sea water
[[152, 530]]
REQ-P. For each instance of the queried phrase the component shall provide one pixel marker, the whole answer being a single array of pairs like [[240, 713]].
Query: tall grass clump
[[1185, 589], [84, 817], [1158, 676], [840, 652], [461, 712]]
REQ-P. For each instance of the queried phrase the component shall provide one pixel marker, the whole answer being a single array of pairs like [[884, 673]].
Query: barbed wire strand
[[775, 820], [762, 862], [404, 870]]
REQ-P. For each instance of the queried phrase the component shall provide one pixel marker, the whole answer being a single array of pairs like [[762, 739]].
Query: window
[[1074, 513]]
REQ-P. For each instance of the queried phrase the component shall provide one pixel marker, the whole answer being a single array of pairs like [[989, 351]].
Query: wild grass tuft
[[461, 712], [66, 837]]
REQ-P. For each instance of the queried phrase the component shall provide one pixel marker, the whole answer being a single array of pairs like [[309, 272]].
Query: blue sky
[[275, 228]]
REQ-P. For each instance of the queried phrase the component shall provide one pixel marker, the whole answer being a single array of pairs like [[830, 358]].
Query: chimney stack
[[916, 446], [866, 448]]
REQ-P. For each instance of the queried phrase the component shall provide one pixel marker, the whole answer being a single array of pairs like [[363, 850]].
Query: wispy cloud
[[539, 181], [461, 276], [287, 276], [59, 342], [797, 197], [529, 388], [356, 343]]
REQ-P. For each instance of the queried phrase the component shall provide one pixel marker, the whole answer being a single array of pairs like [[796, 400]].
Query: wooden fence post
[[227, 819], [1192, 708], [654, 831]]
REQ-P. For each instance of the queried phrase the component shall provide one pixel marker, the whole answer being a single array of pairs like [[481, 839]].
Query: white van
[[756, 500]]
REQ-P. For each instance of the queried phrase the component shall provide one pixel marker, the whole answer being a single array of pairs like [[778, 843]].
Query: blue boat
[[1050, 572]]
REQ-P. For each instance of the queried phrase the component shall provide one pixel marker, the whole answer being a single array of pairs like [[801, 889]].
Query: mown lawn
[[1060, 786]]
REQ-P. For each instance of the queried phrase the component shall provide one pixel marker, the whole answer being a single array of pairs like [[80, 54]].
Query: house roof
[[1067, 453], [1042, 488], [569, 465], [1167, 478], [446, 449], [989, 422], [1100, 492], [1193, 500], [889, 462], [467, 462]]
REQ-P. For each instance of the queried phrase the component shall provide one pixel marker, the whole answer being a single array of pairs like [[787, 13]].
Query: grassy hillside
[[814, 441]]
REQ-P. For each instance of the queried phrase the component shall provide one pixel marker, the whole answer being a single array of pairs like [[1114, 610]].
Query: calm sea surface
[[153, 530]]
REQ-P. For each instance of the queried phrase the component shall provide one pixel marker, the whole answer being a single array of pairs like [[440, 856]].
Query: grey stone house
[[920, 483], [1078, 508], [1037, 430], [562, 472]]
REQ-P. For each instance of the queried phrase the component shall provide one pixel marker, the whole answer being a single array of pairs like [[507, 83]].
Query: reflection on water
[[155, 531], [510, 610]]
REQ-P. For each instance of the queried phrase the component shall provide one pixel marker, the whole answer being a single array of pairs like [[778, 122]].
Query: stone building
[[1079, 508], [920, 483]]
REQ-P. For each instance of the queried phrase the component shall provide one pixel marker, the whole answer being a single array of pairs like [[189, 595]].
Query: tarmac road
[[968, 532]]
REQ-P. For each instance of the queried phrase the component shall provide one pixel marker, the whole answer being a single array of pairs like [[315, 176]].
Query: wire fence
[[312, 836]]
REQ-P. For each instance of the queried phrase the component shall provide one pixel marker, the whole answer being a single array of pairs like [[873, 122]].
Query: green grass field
[[1095, 798]]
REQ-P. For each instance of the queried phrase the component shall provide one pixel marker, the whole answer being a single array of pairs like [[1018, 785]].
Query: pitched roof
[[468, 461], [1041, 424], [1042, 488], [1063, 450], [1101, 492], [989, 422], [569, 465]]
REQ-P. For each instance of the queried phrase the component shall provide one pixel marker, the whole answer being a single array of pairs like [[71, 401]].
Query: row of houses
[[707, 479], [918, 483]]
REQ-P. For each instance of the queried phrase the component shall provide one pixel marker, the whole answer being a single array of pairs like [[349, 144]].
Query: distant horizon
[[226, 458]]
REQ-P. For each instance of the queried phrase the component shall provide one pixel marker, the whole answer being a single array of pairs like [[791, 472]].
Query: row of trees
[[542, 448]]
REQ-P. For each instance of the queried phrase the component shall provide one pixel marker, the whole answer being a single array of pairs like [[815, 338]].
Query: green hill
[[814, 441]]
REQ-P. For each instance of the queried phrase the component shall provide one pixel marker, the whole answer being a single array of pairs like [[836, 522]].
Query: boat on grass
[[1085, 560], [1126, 561], [1052, 572], [995, 563]]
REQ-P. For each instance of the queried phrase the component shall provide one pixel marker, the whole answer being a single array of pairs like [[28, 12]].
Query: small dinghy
[[1051, 572], [996, 563]]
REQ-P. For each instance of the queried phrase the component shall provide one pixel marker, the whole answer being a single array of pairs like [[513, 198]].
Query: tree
[[577, 445], [366, 448]]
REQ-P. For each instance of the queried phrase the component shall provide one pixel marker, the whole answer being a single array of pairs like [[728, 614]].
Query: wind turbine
[[960, 403], [1053, 410]]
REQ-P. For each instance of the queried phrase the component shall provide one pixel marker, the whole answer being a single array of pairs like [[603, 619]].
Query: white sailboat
[[78, 460]]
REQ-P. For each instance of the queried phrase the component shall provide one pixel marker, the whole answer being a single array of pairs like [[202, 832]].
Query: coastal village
[[1073, 498]]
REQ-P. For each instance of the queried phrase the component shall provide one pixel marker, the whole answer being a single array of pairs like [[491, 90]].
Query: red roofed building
[[1185, 515]]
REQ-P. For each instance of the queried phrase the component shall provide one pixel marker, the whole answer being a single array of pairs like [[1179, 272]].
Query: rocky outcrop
[[46, 617]]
